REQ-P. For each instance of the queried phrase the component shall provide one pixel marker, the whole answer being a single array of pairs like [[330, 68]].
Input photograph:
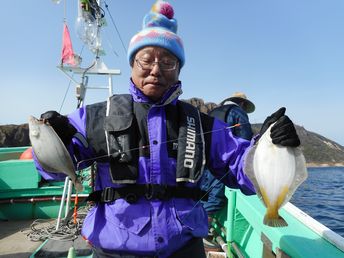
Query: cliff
[[318, 150], [14, 135]]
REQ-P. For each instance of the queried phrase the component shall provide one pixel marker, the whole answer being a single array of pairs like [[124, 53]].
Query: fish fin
[[265, 197], [301, 173], [274, 222], [249, 170], [281, 198], [78, 186]]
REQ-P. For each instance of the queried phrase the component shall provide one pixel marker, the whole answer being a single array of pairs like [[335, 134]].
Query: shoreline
[[317, 165]]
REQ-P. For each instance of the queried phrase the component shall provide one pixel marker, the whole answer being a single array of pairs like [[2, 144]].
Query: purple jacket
[[157, 227]]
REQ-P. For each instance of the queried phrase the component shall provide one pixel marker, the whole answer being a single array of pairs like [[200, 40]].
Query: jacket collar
[[171, 95]]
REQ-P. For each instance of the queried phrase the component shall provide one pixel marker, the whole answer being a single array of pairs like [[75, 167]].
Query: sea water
[[322, 197]]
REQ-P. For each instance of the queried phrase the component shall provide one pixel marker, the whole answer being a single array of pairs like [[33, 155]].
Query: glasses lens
[[168, 65], [165, 65]]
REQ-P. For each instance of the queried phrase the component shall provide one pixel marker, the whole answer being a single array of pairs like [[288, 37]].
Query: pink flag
[[67, 49]]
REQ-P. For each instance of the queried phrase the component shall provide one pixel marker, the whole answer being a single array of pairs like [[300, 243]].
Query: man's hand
[[60, 124], [283, 132]]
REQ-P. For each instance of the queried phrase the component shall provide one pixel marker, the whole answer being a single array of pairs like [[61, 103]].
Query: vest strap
[[131, 193]]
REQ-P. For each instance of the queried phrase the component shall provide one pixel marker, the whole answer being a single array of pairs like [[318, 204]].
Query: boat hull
[[24, 196]]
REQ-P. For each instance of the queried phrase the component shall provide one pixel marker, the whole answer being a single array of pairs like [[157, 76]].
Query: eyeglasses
[[164, 65]]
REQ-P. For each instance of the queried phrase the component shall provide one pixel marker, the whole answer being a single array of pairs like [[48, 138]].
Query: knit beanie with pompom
[[159, 29]]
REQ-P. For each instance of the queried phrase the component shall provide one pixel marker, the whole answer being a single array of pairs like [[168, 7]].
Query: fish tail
[[272, 218], [275, 221]]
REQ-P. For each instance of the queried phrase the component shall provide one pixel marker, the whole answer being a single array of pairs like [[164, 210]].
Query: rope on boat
[[43, 229]]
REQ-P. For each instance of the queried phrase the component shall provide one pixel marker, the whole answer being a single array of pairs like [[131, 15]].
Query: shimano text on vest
[[190, 142]]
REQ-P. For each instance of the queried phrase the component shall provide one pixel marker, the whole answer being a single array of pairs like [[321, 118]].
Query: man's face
[[154, 71]]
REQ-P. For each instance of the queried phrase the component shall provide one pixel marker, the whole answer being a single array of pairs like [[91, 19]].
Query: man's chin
[[153, 86], [154, 91], [154, 95]]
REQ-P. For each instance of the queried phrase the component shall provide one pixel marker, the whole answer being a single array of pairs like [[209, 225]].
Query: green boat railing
[[11, 153], [241, 225], [23, 193]]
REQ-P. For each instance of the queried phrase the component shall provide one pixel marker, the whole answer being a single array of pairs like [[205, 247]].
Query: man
[[233, 111], [150, 151]]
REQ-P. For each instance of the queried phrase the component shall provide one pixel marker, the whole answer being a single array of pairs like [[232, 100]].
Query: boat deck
[[13, 240], [15, 243]]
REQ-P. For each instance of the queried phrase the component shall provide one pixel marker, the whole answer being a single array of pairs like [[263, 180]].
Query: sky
[[279, 53]]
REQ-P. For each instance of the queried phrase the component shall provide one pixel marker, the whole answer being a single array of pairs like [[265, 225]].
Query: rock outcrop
[[318, 150]]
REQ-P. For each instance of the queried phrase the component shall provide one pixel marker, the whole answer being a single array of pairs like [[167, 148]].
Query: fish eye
[[35, 133]]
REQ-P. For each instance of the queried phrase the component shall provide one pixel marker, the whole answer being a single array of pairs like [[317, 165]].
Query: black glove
[[283, 132], [61, 125]]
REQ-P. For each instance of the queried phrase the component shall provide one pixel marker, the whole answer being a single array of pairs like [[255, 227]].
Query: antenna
[[88, 23]]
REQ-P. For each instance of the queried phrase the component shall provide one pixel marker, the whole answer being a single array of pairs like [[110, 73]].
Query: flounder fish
[[50, 151], [276, 172]]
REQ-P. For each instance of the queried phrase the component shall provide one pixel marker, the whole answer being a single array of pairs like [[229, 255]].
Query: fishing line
[[110, 45], [70, 82], [211, 188], [183, 217], [147, 146], [80, 100], [64, 10], [65, 96], [114, 24]]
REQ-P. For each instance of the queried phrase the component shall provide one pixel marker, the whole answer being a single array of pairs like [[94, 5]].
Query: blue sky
[[280, 53]]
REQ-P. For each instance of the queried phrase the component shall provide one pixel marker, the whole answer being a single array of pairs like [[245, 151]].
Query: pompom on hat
[[159, 29]]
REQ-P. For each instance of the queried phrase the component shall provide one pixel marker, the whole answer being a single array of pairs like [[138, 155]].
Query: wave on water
[[321, 197]]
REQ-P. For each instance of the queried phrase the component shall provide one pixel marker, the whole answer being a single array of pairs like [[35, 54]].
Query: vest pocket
[[119, 141], [123, 147], [118, 122]]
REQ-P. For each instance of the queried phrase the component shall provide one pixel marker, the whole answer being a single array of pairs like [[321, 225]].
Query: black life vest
[[118, 128]]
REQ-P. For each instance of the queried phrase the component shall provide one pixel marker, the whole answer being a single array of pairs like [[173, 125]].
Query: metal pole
[[110, 85], [69, 194], [62, 203]]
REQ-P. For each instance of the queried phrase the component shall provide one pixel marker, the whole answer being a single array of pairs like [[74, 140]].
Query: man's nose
[[155, 68]]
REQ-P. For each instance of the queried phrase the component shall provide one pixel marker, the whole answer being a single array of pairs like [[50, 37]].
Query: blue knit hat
[[159, 29]]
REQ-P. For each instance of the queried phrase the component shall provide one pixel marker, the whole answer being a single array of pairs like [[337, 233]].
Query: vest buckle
[[107, 194]]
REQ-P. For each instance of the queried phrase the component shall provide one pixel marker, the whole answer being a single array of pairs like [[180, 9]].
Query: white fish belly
[[274, 168], [276, 172]]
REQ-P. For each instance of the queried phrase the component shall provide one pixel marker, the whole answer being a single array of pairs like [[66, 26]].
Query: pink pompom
[[164, 8]]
